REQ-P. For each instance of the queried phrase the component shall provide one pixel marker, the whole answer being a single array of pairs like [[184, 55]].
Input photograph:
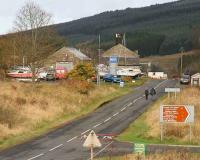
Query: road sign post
[[140, 149], [172, 90], [92, 142], [176, 114]]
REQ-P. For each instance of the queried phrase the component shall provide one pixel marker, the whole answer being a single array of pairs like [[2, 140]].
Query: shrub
[[127, 79], [82, 72]]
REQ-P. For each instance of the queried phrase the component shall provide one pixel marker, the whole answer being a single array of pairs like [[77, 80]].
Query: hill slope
[[154, 30]]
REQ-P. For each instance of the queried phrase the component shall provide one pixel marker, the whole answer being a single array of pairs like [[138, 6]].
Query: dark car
[[50, 76], [185, 79], [111, 78]]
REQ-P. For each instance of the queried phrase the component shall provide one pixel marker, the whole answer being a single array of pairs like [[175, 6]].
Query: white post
[[92, 153], [23, 61], [190, 132], [161, 132], [175, 95]]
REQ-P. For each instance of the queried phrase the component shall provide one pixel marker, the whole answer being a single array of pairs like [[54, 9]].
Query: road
[[65, 143]]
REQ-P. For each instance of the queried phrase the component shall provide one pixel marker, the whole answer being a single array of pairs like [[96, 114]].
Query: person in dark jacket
[[152, 92], [146, 93]]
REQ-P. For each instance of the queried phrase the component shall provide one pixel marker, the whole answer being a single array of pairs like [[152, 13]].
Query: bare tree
[[34, 39]]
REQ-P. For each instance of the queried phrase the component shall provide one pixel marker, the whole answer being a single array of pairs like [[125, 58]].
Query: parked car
[[111, 78], [185, 79], [50, 76]]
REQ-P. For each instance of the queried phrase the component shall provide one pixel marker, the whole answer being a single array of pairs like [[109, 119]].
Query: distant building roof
[[77, 53], [197, 75], [65, 54], [120, 51]]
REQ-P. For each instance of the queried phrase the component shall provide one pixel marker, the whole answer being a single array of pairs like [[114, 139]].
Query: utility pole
[[124, 43], [182, 50], [14, 52], [99, 56], [23, 61], [124, 39], [181, 63]]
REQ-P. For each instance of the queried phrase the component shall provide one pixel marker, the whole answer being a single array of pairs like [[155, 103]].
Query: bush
[[82, 72], [127, 79]]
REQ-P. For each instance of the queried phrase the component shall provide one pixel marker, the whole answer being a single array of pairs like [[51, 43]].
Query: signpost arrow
[[182, 114], [177, 113], [92, 142]]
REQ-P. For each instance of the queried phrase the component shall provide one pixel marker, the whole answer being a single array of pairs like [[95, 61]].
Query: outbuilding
[[157, 75], [195, 79]]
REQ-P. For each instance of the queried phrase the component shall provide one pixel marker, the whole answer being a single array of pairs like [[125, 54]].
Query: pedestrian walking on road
[[152, 92], [146, 93]]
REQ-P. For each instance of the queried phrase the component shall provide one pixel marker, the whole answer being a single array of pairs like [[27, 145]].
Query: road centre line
[[107, 119], [72, 139], [123, 109], [129, 104], [115, 114], [86, 131], [39, 155], [56, 147], [97, 125], [102, 149]]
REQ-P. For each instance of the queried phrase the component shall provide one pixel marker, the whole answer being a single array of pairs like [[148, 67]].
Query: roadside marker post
[[140, 149], [172, 90], [92, 142], [176, 114]]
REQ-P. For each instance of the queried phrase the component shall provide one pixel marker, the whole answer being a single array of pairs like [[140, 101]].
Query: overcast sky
[[67, 10]]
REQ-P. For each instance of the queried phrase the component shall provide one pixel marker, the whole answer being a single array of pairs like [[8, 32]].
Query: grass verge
[[163, 156], [28, 111], [146, 129]]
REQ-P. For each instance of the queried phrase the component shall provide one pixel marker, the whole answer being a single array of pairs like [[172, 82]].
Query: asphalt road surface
[[66, 142]]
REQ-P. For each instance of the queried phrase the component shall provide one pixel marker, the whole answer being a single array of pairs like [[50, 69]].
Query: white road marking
[[36, 156], [97, 125], [129, 104], [85, 131], [123, 109], [72, 139], [160, 84], [56, 147], [115, 114], [107, 119], [102, 149]]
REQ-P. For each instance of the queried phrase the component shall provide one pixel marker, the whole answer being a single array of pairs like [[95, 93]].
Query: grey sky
[[67, 10]]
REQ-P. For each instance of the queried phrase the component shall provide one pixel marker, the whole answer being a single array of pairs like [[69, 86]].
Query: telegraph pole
[[181, 63], [99, 56], [14, 52], [182, 50]]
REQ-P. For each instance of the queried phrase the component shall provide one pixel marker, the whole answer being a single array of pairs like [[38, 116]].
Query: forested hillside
[[154, 30]]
